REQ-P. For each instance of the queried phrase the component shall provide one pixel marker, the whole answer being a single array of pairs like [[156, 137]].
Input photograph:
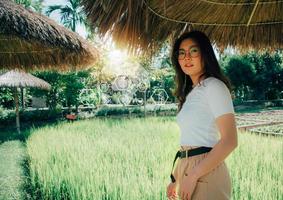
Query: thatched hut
[[18, 79], [148, 23], [29, 40]]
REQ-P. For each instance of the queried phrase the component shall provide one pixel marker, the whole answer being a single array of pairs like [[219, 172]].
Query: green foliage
[[120, 110], [89, 97], [40, 115], [255, 76], [163, 78], [240, 71], [35, 5], [73, 85], [65, 88], [55, 96], [268, 68], [169, 85], [6, 98], [107, 111], [7, 117], [242, 74]]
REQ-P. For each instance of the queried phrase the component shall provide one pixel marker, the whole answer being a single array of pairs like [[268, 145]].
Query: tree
[[241, 73], [268, 68], [35, 5], [71, 14], [54, 97], [74, 83]]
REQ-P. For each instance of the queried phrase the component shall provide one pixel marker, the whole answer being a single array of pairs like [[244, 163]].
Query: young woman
[[206, 121]]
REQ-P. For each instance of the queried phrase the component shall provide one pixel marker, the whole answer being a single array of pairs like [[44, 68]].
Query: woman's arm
[[228, 142]]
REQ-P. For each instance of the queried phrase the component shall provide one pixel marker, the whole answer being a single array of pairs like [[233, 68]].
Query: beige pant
[[216, 185]]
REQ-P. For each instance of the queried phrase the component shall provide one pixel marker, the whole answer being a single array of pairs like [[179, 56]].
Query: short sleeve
[[219, 98]]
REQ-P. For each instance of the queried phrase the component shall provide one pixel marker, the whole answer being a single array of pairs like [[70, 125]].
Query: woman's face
[[189, 58]]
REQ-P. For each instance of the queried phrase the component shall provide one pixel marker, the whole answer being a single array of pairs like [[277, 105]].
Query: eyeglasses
[[193, 53]]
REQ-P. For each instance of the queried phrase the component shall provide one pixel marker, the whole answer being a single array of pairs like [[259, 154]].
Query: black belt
[[188, 153]]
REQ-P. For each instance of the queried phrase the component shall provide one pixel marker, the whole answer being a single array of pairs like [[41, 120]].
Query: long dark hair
[[211, 66]]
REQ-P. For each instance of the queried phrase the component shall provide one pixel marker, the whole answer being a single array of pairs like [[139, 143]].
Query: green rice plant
[[132, 159]]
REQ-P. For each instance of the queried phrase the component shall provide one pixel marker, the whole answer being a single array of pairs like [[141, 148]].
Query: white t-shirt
[[203, 105]]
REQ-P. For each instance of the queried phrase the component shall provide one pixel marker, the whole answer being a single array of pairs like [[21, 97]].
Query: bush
[[118, 110], [7, 117], [40, 115], [105, 110]]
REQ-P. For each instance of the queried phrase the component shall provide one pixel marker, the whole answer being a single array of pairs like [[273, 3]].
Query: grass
[[132, 159], [12, 174]]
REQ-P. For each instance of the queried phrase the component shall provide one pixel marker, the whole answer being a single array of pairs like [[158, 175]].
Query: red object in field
[[71, 117]]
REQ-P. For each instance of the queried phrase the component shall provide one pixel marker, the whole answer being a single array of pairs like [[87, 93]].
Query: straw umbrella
[[31, 41], [19, 79], [147, 24]]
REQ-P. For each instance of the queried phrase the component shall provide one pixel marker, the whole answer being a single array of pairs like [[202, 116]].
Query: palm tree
[[35, 5], [71, 14]]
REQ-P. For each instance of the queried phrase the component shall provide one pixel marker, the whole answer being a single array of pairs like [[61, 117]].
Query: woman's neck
[[197, 80]]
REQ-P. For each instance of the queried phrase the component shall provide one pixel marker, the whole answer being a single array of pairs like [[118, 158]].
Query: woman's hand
[[171, 191], [187, 187]]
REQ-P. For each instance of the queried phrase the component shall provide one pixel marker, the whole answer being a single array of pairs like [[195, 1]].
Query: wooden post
[[22, 98], [17, 109], [144, 102]]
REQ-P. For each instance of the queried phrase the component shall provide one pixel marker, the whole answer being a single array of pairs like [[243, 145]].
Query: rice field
[[131, 159], [273, 129], [259, 117]]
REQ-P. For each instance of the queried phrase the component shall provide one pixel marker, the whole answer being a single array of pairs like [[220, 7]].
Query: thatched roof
[[147, 23], [29, 40], [16, 78]]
